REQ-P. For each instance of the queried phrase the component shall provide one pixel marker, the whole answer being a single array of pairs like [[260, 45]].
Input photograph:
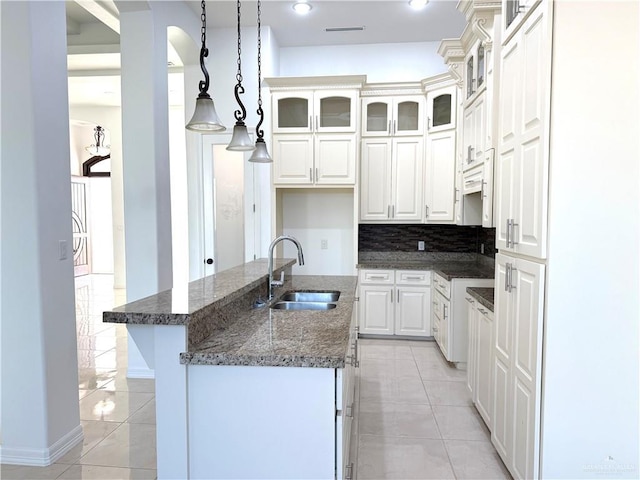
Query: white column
[[40, 416], [147, 196]]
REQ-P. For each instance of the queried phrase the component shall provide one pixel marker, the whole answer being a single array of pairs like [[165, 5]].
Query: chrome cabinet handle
[[398, 296], [444, 310], [310, 122], [394, 127], [455, 198], [482, 190], [377, 277], [348, 474], [469, 299], [393, 211], [513, 232], [482, 310], [388, 211], [316, 122], [511, 285], [508, 232], [391, 295], [310, 174], [426, 208], [317, 174], [389, 127], [428, 123], [506, 276]]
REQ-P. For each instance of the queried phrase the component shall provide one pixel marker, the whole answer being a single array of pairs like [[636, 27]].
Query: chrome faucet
[[278, 283]]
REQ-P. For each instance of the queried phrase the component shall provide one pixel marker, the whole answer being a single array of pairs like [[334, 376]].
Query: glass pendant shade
[[98, 149], [240, 140], [205, 118], [260, 154]]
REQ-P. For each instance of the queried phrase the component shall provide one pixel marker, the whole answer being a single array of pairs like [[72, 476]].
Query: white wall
[[316, 215], [590, 392], [397, 62]]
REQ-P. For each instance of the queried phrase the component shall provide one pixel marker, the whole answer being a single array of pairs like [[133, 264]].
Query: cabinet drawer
[[443, 286], [472, 180], [378, 277], [413, 277]]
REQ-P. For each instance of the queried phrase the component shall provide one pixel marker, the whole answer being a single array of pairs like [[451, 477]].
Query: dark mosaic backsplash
[[437, 238]]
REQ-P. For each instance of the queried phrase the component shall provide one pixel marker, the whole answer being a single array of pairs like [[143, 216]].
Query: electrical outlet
[[421, 245], [62, 249], [324, 244]]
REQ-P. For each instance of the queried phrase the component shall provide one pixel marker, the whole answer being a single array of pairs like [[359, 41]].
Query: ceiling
[[93, 38]]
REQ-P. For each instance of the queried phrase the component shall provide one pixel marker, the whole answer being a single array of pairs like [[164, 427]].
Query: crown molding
[[402, 88], [311, 83]]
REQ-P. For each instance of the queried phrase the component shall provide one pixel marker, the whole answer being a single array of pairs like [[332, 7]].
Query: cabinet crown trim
[[438, 81], [314, 83], [451, 50], [379, 89]]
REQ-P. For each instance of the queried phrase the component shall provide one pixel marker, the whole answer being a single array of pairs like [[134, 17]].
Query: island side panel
[[261, 422], [171, 402]]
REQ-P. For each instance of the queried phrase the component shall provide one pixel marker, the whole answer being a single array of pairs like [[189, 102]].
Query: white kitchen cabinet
[[440, 184], [449, 315], [387, 116], [391, 179], [522, 165], [514, 13], [517, 363], [314, 124], [346, 401], [441, 109], [484, 364], [487, 189], [319, 111], [395, 302], [475, 133], [472, 347]]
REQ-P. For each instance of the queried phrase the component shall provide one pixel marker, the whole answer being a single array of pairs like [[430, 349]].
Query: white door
[[375, 179], [335, 111], [472, 347], [222, 229], [376, 309], [441, 109], [292, 112], [408, 116], [406, 189], [376, 117], [440, 177], [413, 312], [484, 365]]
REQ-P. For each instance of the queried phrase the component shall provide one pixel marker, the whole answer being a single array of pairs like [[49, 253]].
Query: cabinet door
[[514, 12], [441, 109], [406, 189], [527, 279], [413, 312], [472, 347], [376, 117], [335, 159], [408, 116], [440, 178], [468, 134], [479, 129], [376, 309], [293, 159], [292, 112], [375, 180], [484, 364], [500, 433], [335, 111], [530, 213]]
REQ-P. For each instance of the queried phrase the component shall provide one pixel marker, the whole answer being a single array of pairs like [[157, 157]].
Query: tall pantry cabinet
[[521, 234]]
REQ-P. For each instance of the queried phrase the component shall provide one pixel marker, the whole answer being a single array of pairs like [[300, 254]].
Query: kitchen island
[[244, 392]]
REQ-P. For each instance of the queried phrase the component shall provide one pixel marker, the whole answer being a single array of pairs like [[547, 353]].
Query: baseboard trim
[[36, 457], [141, 373]]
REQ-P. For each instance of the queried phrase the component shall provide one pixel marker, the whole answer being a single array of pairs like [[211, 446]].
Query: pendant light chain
[[240, 114], [259, 131], [204, 51]]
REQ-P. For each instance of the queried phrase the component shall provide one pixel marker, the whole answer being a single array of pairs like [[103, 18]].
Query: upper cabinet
[[514, 13], [315, 123], [441, 109], [387, 114], [475, 70], [331, 111]]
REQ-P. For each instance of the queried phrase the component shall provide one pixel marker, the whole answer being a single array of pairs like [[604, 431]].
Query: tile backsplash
[[437, 238]]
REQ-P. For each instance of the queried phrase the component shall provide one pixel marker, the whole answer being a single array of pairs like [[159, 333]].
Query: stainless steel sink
[[329, 296], [285, 305]]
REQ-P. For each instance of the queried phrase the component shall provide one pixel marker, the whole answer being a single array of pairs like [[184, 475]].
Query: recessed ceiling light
[[302, 8], [418, 4]]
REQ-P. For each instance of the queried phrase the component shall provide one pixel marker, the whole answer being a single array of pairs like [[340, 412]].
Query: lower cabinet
[[517, 364], [395, 302], [480, 358]]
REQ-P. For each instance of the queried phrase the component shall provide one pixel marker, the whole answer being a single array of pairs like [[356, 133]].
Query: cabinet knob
[[209, 261]]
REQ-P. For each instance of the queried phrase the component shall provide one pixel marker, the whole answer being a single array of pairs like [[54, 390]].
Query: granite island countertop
[[300, 338], [484, 296]]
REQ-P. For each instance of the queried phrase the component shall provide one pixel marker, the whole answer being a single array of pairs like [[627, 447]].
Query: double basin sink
[[307, 301]]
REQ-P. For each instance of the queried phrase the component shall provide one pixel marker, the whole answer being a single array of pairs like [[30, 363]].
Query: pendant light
[[260, 154], [240, 141], [205, 118], [98, 149]]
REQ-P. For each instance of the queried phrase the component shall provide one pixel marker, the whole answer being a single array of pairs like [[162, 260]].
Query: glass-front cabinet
[[475, 70], [441, 109], [392, 116], [314, 111]]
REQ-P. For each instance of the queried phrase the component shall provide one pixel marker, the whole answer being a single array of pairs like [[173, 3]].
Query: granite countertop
[[484, 296], [300, 338], [448, 269], [181, 304]]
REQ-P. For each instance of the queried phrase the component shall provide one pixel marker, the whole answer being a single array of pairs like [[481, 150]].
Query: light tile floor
[[415, 419]]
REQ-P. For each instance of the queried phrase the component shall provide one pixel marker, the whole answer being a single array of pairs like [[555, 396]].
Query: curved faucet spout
[[275, 283]]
